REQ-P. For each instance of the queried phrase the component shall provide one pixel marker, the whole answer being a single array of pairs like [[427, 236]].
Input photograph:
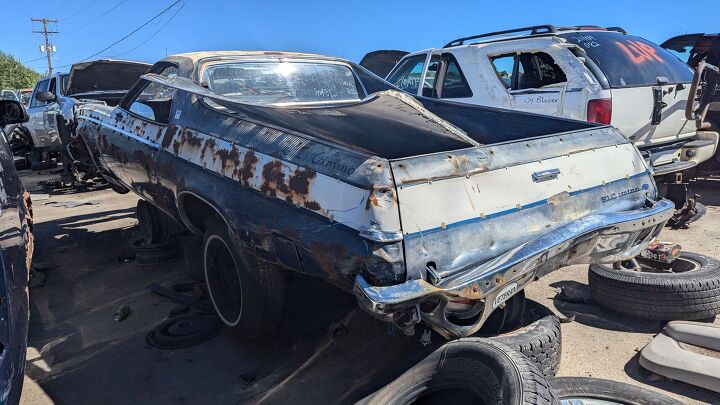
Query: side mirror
[[45, 96], [12, 112]]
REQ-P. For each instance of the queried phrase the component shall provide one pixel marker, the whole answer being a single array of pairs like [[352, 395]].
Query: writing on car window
[[406, 76], [278, 83], [629, 61]]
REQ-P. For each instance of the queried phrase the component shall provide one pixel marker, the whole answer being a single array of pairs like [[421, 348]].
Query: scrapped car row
[[435, 197]]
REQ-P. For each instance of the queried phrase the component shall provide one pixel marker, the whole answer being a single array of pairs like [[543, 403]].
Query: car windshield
[[630, 61], [278, 83], [8, 95]]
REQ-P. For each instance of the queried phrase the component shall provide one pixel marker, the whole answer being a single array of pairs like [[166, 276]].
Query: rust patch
[[273, 179], [312, 205], [247, 170], [169, 135], [300, 181], [208, 144]]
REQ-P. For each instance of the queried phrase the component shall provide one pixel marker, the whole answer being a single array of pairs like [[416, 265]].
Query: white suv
[[595, 74]]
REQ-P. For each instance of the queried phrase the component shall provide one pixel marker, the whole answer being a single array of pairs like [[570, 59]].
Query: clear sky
[[347, 29]]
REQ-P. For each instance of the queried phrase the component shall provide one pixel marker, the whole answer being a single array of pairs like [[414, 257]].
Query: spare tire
[[472, 371], [583, 390], [689, 290], [540, 340]]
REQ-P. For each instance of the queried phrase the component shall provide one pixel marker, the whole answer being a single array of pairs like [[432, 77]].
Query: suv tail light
[[599, 111]]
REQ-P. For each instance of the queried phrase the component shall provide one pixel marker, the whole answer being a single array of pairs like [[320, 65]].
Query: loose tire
[[248, 295], [690, 291], [153, 223], [473, 371], [540, 341], [583, 388]]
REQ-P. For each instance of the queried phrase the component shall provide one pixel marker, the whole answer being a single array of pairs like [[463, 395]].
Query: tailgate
[[463, 208]]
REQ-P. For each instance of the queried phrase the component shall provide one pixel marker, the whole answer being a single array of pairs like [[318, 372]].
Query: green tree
[[13, 75]]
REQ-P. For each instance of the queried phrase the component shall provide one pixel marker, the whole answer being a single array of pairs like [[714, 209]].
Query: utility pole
[[49, 48]]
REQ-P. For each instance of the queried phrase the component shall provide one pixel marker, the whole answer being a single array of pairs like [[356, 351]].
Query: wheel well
[[196, 211]]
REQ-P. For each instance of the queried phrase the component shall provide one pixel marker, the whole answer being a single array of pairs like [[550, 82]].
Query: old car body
[[16, 245], [51, 103], [426, 209]]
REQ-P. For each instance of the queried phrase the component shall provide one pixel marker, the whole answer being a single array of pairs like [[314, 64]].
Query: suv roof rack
[[535, 30]]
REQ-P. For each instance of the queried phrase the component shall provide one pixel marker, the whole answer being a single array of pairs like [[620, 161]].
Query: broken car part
[[465, 371], [688, 288], [686, 351], [418, 205]]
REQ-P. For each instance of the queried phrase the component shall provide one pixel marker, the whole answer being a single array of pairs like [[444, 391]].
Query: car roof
[[197, 56]]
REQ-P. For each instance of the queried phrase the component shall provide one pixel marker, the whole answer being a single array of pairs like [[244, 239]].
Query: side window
[[407, 75], [51, 88], [537, 70], [39, 87], [155, 100], [430, 76], [454, 84], [527, 70], [504, 67]]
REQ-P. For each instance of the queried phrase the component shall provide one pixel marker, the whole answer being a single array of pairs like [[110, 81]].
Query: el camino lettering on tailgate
[[623, 193]]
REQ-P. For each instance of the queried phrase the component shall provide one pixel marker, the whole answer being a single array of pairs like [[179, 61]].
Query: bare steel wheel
[[247, 293]]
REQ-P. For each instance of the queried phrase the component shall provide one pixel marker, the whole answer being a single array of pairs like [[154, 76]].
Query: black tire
[[153, 223], [681, 295], [119, 189], [247, 293], [505, 319], [471, 370], [567, 388], [540, 341]]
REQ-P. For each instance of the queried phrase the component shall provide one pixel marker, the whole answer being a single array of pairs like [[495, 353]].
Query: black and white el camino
[[426, 209]]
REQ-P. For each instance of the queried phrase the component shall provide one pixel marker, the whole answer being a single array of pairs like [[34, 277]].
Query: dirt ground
[[326, 351]]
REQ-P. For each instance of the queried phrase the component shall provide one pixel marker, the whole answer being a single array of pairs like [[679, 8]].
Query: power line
[[32, 60], [49, 48], [155, 33], [91, 20], [131, 33]]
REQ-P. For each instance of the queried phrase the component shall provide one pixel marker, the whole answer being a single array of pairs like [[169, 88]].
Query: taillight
[[599, 111]]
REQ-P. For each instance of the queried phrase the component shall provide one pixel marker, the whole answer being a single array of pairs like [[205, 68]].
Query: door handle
[[658, 105], [545, 175]]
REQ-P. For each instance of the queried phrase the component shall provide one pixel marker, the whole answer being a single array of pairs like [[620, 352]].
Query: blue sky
[[347, 29]]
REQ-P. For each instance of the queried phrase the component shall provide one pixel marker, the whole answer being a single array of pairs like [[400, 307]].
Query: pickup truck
[[45, 136], [428, 210]]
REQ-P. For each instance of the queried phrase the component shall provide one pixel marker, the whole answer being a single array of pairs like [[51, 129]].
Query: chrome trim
[[377, 235], [598, 238], [122, 131], [545, 175]]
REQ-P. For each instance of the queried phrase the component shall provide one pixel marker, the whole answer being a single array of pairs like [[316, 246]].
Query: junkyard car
[[53, 99], [702, 51], [428, 210], [588, 73], [16, 246]]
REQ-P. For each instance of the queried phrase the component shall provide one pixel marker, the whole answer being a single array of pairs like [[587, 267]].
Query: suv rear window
[[629, 61]]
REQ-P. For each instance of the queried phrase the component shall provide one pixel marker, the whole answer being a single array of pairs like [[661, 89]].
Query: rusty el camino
[[429, 211]]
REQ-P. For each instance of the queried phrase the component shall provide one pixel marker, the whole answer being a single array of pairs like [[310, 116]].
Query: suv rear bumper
[[681, 155], [598, 238]]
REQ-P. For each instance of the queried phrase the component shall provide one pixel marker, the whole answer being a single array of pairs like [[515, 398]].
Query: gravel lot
[[326, 351]]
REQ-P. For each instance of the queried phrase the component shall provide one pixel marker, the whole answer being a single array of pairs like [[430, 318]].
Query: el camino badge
[[623, 193], [505, 294]]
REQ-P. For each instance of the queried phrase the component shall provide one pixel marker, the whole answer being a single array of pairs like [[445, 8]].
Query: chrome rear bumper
[[598, 238]]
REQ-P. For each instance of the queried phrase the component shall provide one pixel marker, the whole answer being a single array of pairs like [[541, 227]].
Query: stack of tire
[[516, 367]]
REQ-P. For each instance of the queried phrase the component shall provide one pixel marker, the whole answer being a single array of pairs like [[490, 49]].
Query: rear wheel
[[247, 293]]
